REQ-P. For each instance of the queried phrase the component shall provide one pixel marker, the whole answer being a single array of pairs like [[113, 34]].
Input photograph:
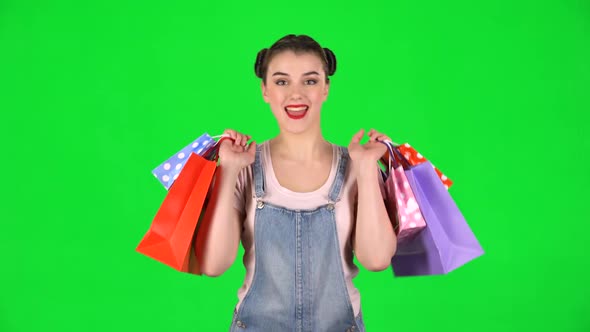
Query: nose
[[296, 91]]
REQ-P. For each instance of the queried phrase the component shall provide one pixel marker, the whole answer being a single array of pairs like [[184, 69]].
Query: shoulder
[[342, 151], [246, 174], [261, 147]]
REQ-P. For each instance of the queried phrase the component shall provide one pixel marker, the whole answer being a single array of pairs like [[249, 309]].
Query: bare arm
[[374, 239], [219, 235], [220, 231]]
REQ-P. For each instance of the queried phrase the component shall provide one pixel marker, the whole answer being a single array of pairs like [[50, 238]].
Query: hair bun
[[331, 60], [258, 63]]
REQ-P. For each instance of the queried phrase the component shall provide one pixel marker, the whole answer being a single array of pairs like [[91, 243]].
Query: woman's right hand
[[234, 152]]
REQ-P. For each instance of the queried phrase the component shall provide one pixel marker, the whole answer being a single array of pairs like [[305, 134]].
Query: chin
[[293, 130], [300, 126]]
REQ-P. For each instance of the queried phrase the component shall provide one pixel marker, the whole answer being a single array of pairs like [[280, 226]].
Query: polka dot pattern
[[166, 173], [401, 199], [416, 158]]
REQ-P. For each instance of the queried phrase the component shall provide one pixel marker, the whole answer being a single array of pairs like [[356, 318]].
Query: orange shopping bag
[[170, 237]]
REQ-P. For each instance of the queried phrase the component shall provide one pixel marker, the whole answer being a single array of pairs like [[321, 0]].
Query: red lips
[[296, 115]]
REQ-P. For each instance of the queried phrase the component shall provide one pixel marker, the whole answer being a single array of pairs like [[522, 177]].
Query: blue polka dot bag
[[168, 171]]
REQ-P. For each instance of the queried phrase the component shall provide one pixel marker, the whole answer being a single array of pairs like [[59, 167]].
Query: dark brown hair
[[298, 44]]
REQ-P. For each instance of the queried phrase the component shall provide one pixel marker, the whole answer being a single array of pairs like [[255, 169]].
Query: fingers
[[231, 133], [381, 138], [377, 136], [251, 148], [239, 139], [242, 140], [372, 135], [358, 136]]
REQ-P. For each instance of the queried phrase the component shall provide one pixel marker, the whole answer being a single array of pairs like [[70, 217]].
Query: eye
[[281, 82], [311, 82]]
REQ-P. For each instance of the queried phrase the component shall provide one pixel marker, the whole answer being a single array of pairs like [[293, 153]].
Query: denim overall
[[298, 283]]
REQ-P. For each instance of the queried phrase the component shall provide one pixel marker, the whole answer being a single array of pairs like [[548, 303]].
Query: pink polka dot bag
[[401, 202], [447, 242]]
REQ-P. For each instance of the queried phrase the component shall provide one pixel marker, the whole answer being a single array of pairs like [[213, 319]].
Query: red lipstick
[[296, 111]]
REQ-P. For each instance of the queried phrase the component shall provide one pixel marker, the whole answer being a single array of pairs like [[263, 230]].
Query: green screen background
[[94, 96]]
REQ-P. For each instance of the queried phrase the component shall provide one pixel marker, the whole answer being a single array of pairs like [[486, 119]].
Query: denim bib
[[298, 283]]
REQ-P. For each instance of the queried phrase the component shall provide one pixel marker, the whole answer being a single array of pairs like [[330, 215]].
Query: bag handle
[[212, 152], [390, 148], [393, 150], [405, 163]]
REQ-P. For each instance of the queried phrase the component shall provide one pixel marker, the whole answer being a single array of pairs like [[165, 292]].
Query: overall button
[[330, 207], [241, 324], [260, 204]]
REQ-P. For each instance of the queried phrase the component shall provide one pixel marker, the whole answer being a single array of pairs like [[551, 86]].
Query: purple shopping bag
[[447, 242]]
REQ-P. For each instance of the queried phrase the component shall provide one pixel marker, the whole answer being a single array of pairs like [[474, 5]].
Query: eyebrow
[[278, 73]]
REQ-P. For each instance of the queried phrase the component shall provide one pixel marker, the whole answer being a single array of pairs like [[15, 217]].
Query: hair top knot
[[297, 44], [258, 63], [331, 61]]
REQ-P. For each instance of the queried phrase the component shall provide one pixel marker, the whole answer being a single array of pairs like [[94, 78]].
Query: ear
[[264, 91], [326, 91]]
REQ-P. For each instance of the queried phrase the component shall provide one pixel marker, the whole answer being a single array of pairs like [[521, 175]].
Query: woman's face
[[295, 89]]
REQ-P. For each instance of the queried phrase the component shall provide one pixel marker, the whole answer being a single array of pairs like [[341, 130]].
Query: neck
[[305, 146]]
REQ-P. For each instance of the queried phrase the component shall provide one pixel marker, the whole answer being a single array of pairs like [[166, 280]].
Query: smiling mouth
[[296, 112]]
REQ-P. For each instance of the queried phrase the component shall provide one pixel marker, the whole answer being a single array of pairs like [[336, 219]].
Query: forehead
[[291, 62]]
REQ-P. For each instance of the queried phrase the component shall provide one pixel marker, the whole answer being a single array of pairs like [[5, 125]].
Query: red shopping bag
[[172, 232], [415, 158]]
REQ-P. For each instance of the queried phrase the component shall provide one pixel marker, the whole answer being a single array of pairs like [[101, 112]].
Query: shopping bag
[[401, 203], [447, 242], [415, 158], [168, 171], [173, 230]]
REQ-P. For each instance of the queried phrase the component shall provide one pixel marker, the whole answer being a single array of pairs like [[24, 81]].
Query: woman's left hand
[[370, 152]]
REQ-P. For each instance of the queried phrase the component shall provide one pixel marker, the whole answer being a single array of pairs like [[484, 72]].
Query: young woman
[[301, 206]]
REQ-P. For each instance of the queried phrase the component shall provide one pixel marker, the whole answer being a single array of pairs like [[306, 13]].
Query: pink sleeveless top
[[276, 194]]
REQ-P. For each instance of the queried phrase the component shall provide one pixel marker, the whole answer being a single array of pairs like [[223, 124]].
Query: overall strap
[[258, 173], [336, 188]]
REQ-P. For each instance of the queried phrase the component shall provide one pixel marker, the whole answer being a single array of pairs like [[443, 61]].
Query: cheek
[[276, 105], [274, 96], [318, 95]]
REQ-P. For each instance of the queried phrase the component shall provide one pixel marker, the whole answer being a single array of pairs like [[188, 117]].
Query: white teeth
[[296, 109]]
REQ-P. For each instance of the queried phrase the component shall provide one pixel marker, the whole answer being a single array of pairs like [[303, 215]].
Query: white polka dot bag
[[168, 171], [447, 242], [415, 158], [401, 202]]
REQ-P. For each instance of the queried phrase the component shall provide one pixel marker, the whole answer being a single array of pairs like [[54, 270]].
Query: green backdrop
[[94, 96]]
